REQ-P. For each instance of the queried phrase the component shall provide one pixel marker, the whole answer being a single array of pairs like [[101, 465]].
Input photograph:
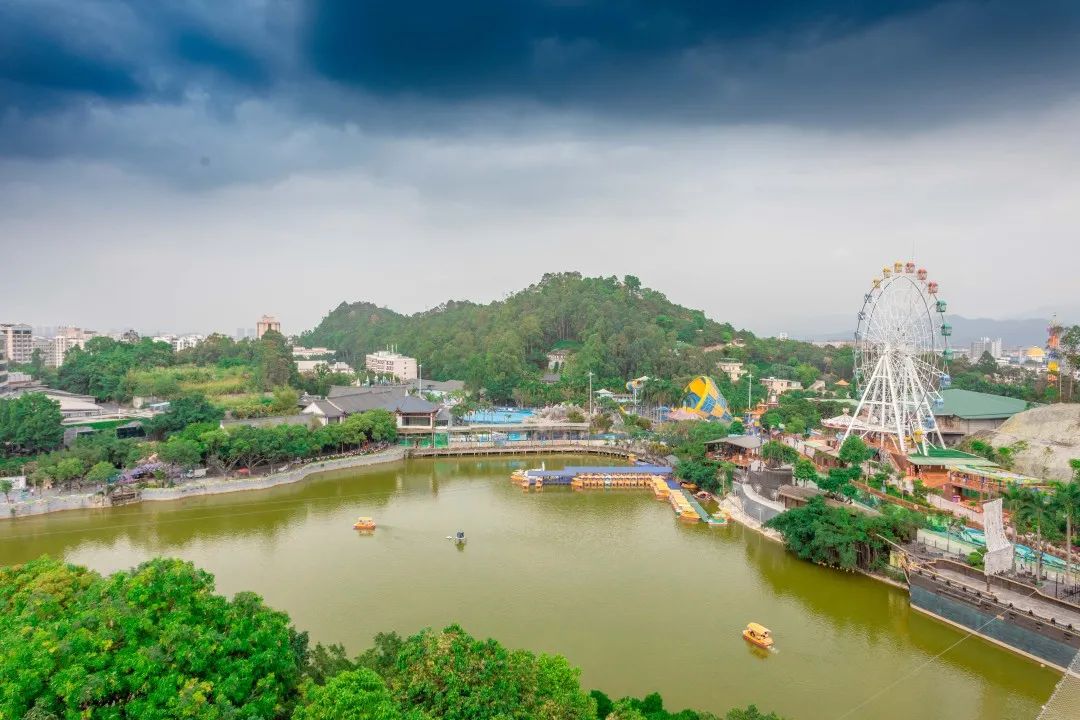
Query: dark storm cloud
[[162, 85], [786, 61], [531, 46], [54, 55]]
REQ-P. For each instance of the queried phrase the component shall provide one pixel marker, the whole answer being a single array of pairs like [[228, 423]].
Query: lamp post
[[590, 397]]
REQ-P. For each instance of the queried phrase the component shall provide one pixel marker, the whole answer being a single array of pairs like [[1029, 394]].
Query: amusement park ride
[[901, 359]]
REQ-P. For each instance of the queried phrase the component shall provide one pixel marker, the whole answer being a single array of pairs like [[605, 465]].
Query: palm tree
[[1033, 509], [1067, 502]]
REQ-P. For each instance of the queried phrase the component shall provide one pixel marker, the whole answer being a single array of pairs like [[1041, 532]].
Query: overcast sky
[[188, 166]]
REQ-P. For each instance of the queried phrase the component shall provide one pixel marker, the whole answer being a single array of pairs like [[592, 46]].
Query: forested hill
[[616, 328]]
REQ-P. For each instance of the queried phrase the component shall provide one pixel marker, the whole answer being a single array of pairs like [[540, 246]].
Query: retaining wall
[[214, 486], [761, 509]]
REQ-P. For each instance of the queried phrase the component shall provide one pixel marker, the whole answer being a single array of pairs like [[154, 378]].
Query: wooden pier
[[125, 496], [523, 448]]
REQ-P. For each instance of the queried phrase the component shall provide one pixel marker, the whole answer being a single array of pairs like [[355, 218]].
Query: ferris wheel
[[901, 359]]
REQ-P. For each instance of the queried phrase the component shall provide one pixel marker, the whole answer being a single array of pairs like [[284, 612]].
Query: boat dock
[[658, 478], [624, 476]]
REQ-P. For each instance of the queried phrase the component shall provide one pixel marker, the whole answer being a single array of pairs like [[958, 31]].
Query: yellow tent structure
[[703, 399]]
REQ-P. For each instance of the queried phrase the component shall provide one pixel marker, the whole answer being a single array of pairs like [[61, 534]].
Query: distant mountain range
[[1014, 332]]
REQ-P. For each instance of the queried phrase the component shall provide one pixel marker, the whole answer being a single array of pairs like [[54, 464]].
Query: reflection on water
[[611, 580]]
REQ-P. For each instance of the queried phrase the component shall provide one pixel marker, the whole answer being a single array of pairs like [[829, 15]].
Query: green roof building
[[966, 412]]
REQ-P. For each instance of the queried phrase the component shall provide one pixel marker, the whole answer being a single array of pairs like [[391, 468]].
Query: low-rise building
[[557, 360], [775, 387], [414, 415], [388, 362], [72, 405], [965, 412], [732, 368], [304, 353], [312, 365], [441, 388]]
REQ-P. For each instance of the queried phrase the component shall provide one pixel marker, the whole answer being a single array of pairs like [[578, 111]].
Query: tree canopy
[[30, 423], [617, 330], [153, 642], [843, 537]]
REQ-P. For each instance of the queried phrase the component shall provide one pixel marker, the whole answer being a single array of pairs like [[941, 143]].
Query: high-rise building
[[388, 362], [65, 339], [18, 342], [266, 324], [985, 345]]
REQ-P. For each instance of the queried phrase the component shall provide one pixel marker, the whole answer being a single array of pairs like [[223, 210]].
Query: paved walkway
[[1021, 601], [734, 511]]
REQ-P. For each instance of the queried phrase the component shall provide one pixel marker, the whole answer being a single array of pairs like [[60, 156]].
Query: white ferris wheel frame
[[899, 362]]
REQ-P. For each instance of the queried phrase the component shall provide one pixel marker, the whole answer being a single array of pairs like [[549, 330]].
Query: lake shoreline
[[731, 506], [199, 488]]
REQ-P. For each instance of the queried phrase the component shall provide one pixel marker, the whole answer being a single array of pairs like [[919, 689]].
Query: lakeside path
[[198, 488], [731, 506]]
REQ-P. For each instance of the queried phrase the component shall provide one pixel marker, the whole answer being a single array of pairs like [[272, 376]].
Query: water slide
[[1023, 552]]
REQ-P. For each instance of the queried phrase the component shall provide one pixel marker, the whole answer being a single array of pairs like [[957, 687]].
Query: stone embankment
[[218, 486], [196, 488]]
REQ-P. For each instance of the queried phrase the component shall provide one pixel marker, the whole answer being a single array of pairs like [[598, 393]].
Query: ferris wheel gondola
[[901, 356]]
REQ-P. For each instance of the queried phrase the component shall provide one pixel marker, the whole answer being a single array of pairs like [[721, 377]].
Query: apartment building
[[389, 362]]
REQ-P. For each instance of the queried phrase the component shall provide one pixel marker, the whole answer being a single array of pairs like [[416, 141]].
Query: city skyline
[[218, 163]]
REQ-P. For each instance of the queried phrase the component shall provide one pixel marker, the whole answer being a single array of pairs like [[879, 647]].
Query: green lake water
[[609, 579]]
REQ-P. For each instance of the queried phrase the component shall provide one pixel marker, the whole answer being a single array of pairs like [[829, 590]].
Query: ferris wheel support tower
[[900, 359]]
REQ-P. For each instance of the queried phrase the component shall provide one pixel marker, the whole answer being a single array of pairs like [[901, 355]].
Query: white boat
[[458, 538]]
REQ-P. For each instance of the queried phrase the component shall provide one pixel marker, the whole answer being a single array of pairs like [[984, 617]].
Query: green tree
[[100, 472], [285, 401], [854, 452], [351, 695], [700, 472], [776, 453], [30, 423], [183, 451], [986, 364], [5, 487], [842, 537], [69, 469], [153, 642], [805, 471], [189, 410], [1032, 509], [453, 676], [1066, 500], [274, 366]]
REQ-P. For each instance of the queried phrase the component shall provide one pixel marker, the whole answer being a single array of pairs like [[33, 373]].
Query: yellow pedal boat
[[364, 523], [758, 635]]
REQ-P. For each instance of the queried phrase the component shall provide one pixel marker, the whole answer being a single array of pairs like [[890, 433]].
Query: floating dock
[[624, 476], [658, 478]]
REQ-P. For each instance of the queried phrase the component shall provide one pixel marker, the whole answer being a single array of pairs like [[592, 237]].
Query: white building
[[18, 342], [387, 362], [776, 387], [309, 353], [986, 345], [66, 338], [312, 365], [732, 368], [180, 342]]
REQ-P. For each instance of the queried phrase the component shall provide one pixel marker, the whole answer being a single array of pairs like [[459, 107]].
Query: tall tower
[[267, 323]]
